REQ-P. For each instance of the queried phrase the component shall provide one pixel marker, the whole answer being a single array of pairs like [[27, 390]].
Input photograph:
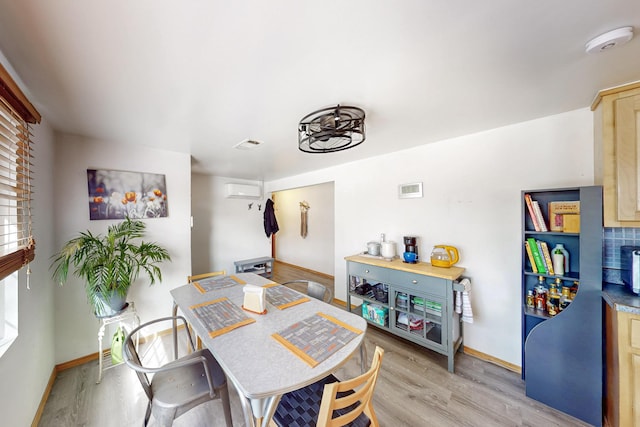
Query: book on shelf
[[557, 211], [532, 261], [537, 256], [547, 256], [538, 212], [532, 213], [544, 261], [571, 223]]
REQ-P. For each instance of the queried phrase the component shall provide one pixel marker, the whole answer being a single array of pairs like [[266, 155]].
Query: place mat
[[220, 316], [217, 282], [282, 297], [316, 338]]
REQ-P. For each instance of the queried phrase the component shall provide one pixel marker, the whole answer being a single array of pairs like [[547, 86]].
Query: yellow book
[[547, 257], [530, 255]]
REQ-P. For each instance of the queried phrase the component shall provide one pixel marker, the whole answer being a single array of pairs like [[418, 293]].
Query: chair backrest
[[205, 275], [315, 290], [361, 398], [132, 358], [319, 291]]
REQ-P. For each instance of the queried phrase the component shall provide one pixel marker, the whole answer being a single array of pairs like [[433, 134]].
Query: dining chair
[[179, 385], [315, 290], [206, 275], [350, 401]]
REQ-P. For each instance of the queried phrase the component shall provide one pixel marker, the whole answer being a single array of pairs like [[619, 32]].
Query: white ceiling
[[199, 76]]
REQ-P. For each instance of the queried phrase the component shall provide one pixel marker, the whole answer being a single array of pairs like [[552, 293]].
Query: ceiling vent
[[331, 129], [248, 144], [609, 40]]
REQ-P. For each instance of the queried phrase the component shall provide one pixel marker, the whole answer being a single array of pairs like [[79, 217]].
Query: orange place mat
[[282, 297], [316, 338], [217, 282], [220, 316]]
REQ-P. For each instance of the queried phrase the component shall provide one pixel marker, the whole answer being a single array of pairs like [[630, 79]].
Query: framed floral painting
[[119, 194]]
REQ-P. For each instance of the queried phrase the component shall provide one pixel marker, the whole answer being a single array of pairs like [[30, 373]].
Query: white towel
[[459, 302], [467, 312]]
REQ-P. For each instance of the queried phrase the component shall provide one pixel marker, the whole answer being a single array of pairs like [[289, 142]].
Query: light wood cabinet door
[[617, 154], [623, 368], [627, 116]]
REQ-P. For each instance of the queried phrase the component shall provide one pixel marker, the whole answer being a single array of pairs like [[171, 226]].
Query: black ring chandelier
[[331, 129]]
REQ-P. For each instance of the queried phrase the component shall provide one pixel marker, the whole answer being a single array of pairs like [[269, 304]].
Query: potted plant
[[110, 263]]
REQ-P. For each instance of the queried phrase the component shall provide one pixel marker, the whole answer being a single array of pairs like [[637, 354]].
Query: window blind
[[17, 246]]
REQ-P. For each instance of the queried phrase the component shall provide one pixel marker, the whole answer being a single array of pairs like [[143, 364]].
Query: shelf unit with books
[[562, 351]]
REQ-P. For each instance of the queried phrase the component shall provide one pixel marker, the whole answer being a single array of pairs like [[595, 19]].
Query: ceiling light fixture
[[610, 40], [331, 129]]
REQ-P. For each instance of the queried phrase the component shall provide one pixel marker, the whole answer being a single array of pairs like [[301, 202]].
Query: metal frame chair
[[180, 385], [350, 401], [315, 290]]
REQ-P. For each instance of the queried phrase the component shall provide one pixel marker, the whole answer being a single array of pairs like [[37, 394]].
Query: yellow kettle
[[444, 256]]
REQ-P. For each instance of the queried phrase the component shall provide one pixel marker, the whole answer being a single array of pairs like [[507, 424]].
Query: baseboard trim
[[325, 275], [466, 350], [491, 359], [45, 397]]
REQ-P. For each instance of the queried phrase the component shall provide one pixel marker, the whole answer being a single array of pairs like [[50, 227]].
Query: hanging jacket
[[270, 222]]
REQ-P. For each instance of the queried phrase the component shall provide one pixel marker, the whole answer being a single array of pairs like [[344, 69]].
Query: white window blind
[[17, 246]]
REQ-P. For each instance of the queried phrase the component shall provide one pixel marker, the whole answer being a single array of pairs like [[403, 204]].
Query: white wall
[[225, 230], [471, 200], [27, 365], [76, 326], [314, 252]]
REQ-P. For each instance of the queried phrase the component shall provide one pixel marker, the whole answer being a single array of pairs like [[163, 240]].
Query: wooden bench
[[262, 266]]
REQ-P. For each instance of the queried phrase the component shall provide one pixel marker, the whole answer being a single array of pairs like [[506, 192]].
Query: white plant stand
[[127, 317]]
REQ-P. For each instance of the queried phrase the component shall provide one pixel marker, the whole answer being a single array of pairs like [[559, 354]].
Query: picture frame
[[115, 194]]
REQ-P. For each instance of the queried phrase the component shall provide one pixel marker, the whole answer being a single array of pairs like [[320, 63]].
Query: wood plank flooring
[[414, 389]]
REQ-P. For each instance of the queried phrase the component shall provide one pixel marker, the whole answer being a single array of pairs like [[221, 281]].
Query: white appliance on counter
[[630, 264]]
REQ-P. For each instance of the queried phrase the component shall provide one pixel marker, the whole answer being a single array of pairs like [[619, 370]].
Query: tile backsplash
[[613, 238]]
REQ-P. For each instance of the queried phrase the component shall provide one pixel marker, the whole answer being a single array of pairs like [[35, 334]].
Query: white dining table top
[[257, 364]]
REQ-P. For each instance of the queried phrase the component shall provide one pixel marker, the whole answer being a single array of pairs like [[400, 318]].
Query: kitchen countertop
[[620, 298], [451, 273]]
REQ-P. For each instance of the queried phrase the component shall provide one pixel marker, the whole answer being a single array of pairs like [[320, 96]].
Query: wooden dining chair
[[191, 279], [180, 385], [332, 403], [205, 275]]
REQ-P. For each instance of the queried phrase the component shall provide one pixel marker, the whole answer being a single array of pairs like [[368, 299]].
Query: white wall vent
[[410, 191], [243, 191]]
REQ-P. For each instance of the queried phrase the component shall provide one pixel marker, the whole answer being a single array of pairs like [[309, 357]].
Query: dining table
[[295, 342]]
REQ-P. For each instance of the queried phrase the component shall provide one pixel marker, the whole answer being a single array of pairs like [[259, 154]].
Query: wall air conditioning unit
[[243, 191]]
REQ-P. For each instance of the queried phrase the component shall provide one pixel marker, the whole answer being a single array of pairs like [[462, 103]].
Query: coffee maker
[[411, 246]]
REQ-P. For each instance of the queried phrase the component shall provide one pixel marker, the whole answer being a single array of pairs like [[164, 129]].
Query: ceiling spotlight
[[610, 40], [331, 129]]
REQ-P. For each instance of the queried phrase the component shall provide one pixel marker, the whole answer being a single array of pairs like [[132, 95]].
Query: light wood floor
[[414, 389]]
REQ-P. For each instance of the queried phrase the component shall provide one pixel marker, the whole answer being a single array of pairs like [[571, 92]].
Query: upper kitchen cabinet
[[616, 151]]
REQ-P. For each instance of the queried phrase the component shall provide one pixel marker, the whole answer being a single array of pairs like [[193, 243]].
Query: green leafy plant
[[109, 263]]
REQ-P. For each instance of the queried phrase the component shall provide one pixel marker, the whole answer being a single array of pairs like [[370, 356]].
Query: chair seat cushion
[[175, 387], [299, 408]]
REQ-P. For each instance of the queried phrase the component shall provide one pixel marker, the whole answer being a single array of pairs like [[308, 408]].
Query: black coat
[[270, 222]]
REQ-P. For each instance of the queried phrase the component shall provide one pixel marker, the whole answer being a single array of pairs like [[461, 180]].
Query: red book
[[532, 213]]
